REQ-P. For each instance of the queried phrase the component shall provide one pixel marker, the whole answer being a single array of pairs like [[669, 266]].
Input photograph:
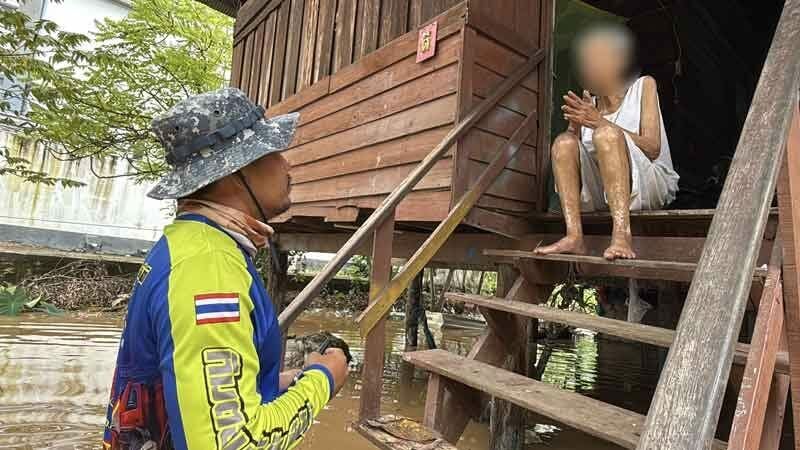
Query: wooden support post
[[273, 263], [789, 226], [372, 372], [507, 421], [413, 307], [448, 280], [751, 407]]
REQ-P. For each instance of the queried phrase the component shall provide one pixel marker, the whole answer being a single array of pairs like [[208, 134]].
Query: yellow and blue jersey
[[201, 324]]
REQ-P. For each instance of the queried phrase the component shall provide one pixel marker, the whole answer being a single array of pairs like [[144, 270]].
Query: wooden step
[[599, 419], [400, 433], [660, 337], [629, 268]]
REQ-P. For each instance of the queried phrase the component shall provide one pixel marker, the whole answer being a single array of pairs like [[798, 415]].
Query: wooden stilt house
[[440, 156]]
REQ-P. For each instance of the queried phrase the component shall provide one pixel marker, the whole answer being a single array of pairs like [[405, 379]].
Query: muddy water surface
[[55, 373]]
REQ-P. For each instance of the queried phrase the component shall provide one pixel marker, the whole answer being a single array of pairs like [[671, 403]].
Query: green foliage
[[15, 300], [95, 101], [358, 267]]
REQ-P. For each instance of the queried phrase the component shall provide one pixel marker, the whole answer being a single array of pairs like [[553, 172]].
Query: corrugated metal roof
[[228, 7]]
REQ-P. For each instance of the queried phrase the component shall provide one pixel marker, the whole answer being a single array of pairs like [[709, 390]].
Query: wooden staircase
[[685, 409]]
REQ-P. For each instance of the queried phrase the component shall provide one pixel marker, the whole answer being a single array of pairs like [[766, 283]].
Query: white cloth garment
[[653, 183]]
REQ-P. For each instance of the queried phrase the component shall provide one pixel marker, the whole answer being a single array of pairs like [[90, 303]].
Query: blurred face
[[601, 64], [270, 181]]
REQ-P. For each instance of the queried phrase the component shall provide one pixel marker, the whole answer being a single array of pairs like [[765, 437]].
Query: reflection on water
[[55, 371]]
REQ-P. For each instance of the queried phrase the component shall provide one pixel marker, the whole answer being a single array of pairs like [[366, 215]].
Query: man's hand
[[581, 111], [285, 378], [336, 362]]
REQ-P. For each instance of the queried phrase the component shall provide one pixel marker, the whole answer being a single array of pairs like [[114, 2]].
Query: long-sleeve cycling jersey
[[200, 322]]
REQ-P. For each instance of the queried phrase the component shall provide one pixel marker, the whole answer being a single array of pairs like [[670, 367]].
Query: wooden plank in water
[[596, 418], [386, 441]]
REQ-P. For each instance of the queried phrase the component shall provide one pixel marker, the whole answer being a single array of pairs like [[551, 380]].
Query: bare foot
[[621, 247], [568, 244]]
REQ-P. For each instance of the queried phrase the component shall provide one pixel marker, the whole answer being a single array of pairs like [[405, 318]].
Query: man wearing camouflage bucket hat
[[200, 356]]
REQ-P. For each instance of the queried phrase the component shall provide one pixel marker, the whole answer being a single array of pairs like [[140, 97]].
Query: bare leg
[[612, 153], [567, 171]]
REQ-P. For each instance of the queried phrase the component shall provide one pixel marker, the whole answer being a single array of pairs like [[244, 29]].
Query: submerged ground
[[55, 372]]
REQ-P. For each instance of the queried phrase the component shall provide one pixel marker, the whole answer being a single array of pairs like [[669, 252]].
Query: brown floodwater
[[55, 374]]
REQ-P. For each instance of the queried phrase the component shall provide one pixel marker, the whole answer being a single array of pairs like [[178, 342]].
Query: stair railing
[[687, 402], [387, 207]]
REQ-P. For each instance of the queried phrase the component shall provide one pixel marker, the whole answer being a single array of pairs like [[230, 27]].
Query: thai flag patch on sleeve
[[216, 308]]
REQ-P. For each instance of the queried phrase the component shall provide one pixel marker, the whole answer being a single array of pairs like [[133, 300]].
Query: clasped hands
[[581, 111]]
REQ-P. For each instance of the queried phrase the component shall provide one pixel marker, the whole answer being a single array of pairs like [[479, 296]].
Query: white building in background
[[116, 207]]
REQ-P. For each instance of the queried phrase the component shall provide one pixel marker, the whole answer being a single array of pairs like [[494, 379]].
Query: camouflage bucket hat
[[212, 135]]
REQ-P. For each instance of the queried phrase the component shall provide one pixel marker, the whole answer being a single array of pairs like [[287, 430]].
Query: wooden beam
[[751, 407], [789, 220], [546, 33], [392, 200], [685, 409], [375, 342], [374, 312], [661, 337]]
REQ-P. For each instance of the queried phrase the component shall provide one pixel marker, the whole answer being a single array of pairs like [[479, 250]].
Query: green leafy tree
[[95, 97]]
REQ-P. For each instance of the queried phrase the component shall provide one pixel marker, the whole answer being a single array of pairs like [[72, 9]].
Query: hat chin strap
[[252, 196]]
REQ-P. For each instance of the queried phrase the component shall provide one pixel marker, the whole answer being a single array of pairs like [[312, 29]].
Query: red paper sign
[[426, 45]]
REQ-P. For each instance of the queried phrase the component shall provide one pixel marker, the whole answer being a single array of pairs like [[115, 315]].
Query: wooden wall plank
[[305, 71], [418, 206], [381, 181], [502, 122], [236, 64], [345, 34], [414, 14], [394, 20], [268, 47], [502, 60], [301, 99], [368, 22], [385, 57], [323, 53], [429, 115], [509, 184], [485, 146], [381, 81], [294, 37], [431, 8], [251, 15], [247, 62], [438, 84], [279, 58], [404, 150], [520, 99]]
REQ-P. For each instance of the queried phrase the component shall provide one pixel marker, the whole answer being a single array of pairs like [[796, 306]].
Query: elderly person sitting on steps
[[614, 155]]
